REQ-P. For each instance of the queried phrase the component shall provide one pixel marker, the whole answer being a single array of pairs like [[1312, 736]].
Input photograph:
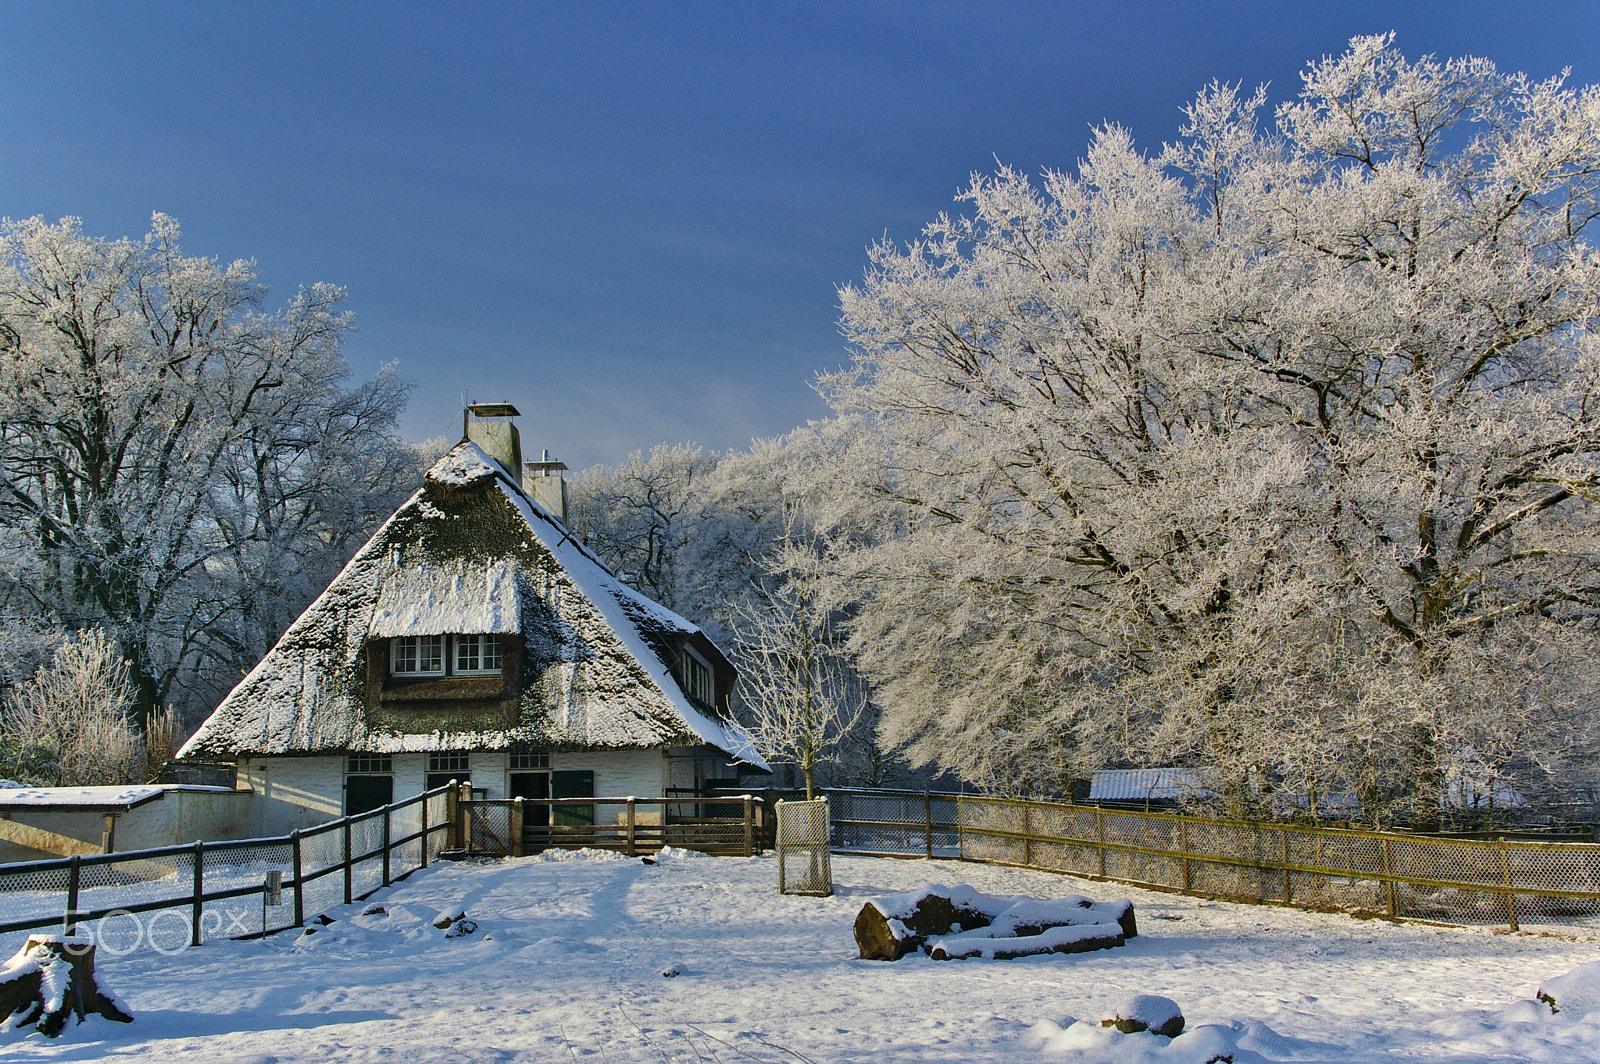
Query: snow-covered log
[[50, 978], [952, 922], [1577, 993], [1148, 1012]]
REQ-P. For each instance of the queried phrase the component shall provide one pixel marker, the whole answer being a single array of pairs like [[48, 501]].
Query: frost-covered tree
[[716, 537], [1274, 451], [177, 465], [70, 725], [800, 695]]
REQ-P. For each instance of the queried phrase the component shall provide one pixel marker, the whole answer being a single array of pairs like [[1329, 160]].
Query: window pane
[[430, 656], [466, 653], [491, 652]]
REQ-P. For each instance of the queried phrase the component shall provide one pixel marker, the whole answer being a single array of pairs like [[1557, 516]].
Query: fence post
[[1027, 833], [69, 925], [927, 822], [749, 827], [632, 838], [349, 870], [299, 888], [1390, 894], [386, 845], [516, 827], [1288, 887], [195, 904], [452, 838], [1511, 899], [961, 828], [424, 843], [1183, 850], [1100, 839]]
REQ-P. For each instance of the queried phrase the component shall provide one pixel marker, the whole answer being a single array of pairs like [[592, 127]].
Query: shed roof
[[472, 552], [90, 799]]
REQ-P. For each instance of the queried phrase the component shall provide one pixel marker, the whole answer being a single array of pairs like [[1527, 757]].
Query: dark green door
[[573, 783], [365, 793]]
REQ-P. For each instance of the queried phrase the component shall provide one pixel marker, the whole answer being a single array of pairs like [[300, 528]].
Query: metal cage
[[802, 842]]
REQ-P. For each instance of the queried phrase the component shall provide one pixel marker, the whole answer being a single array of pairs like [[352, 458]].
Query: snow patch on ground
[[568, 959]]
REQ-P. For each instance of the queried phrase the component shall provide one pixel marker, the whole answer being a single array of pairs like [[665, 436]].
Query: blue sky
[[628, 219]]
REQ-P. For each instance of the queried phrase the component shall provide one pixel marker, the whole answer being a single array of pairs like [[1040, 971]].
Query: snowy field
[[566, 965]]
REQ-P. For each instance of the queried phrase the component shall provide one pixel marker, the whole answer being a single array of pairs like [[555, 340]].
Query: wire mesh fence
[[1513, 882], [803, 843], [169, 898]]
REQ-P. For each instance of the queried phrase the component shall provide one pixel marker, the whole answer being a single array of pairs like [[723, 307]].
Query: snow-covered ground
[[568, 957]]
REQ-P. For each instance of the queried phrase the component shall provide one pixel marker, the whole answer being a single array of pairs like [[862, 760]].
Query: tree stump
[[50, 978]]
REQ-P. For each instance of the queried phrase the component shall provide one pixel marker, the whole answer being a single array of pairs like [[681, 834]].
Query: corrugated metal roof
[[1145, 784]]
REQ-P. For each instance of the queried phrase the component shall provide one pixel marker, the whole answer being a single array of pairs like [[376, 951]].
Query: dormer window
[[477, 654], [421, 656], [696, 676], [417, 655]]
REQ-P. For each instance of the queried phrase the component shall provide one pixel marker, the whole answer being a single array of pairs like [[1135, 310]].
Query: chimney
[[489, 426], [543, 480]]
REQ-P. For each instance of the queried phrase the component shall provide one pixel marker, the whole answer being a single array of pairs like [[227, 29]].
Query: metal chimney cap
[[493, 410]]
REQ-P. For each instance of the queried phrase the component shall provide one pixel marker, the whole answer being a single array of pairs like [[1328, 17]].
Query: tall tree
[[177, 465], [1274, 452]]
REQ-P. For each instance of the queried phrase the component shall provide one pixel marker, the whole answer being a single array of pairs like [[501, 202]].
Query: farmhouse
[[474, 638]]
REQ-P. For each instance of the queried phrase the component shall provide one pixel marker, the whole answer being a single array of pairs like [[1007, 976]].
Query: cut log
[[1080, 938], [952, 922], [51, 978]]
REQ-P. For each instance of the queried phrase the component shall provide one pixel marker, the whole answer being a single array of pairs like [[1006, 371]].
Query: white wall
[[178, 816], [298, 792], [292, 792]]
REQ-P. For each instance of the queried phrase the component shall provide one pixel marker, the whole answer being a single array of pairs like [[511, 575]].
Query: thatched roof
[[471, 552]]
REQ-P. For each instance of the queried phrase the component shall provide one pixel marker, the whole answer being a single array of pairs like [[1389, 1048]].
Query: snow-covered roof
[[471, 552], [1145, 784], [124, 797], [471, 600]]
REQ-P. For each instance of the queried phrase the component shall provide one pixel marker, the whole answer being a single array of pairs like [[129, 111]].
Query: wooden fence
[[317, 868], [729, 825], [1451, 880]]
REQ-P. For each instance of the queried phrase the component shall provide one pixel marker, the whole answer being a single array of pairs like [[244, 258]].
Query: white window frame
[[459, 642], [692, 664], [399, 644]]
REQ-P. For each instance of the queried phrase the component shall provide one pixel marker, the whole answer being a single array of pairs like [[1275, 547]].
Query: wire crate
[[803, 865]]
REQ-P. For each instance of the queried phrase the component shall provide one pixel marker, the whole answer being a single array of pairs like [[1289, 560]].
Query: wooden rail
[[511, 827], [133, 866]]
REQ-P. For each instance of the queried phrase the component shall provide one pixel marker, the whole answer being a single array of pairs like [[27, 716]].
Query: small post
[[424, 840], [386, 845], [108, 834], [69, 925], [197, 902], [749, 827], [927, 823], [1027, 833], [299, 890], [349, 869], [1183, 850], [1288, 886], [1391, 895], [1100, 839], [633, 845], [961, 829], [1511, 899], [516, 827], [464, 810]]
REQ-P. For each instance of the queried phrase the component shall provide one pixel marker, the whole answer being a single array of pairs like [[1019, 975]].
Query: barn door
[[532, 785], [573, 783]]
